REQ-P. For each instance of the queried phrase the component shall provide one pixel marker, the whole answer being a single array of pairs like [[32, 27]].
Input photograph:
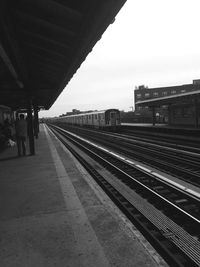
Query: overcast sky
[[151, 42]]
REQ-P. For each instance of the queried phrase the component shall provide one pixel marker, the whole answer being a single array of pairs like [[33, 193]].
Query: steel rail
[[189, 173]]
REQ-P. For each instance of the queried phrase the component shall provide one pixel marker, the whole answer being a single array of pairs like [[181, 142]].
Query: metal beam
[[49, 75], [153, 116], [54, 9], [10, 66], [43, 24], [36, 120], [45, 66], [40, 57], [196, 111], [10, 49], [30, 128], [49, 52], [43, 39]]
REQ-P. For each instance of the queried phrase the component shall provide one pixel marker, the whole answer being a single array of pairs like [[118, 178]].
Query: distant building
[[144, 113], [76, 111], [174, 104]]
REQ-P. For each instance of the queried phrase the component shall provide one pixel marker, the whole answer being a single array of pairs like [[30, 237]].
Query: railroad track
[[179, 161], [173, 138], [167, 216], [168, 141]]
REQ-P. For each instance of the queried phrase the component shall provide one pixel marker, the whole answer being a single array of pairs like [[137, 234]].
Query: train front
[[112, 118]]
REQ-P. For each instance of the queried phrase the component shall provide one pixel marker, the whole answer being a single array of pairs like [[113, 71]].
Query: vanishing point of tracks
[[167, 216]]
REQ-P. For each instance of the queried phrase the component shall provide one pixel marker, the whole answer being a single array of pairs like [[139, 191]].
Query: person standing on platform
[[21, 134]]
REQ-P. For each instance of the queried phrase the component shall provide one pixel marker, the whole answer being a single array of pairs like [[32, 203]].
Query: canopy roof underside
[[44, 42]]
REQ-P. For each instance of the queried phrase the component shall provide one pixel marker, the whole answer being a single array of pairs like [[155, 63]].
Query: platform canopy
[[44, 42]]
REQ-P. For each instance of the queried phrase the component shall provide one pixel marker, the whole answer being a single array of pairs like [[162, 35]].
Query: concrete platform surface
[[53, 214]]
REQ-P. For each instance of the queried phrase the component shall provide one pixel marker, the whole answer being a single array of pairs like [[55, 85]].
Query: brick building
[[177, 105]]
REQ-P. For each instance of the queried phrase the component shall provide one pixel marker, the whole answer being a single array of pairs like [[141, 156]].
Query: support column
[[30, 128], [169, 114], [36, 122], [153, 116], [196, 110]]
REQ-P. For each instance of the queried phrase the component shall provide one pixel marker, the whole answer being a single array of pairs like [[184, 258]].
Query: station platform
[[53, 214]]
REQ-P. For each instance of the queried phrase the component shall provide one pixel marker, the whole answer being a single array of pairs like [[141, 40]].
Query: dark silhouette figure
[[21, 134]]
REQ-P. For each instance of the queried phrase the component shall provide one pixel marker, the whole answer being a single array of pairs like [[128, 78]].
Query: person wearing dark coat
[[21, 134]]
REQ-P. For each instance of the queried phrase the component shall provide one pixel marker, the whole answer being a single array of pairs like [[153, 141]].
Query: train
[[105, 119]]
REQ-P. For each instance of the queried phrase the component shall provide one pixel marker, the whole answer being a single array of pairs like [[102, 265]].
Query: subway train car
[[106, 119]]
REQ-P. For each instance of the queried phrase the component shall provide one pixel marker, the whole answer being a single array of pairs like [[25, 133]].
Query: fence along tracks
[[179, 247]]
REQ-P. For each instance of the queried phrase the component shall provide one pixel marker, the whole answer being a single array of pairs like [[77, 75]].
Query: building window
[[146, 94], [155, 94], [164, 93], [146, 107], [173, 92], [187, 112], [177, 112], [164, 106], [183, 91], [138, 95]]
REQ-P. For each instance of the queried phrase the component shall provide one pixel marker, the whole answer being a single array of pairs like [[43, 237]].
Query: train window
[[95, 116]]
